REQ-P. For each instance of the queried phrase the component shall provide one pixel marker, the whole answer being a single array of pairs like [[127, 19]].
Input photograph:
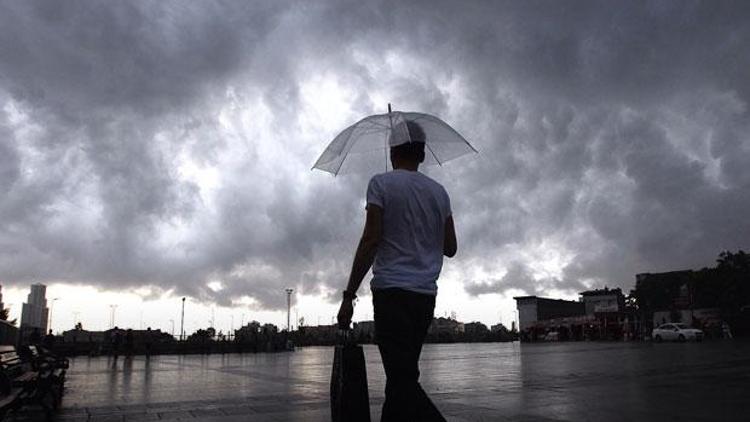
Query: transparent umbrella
[[364, 146]]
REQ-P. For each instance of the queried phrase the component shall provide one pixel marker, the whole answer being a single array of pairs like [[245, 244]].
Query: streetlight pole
[[49, 319], [182, 321], [288, 310], [113, 309]]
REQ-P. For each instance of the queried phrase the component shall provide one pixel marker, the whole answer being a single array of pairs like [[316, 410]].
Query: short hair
[[413, 148]]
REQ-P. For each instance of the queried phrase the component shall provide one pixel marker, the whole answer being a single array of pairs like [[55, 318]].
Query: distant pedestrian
[[49, 341], [408, 229], [129, 344], [725, 331], [147, 341], [35, 337], [116, 340]]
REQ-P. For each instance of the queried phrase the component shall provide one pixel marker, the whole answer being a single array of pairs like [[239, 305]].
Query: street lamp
[[113, 309], [182, 322], [288, 309], [49, 317]]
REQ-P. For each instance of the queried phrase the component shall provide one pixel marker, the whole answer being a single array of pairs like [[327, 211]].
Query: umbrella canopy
[[364, 145]]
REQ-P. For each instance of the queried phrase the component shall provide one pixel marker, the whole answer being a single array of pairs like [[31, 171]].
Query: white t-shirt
[[410, 254]]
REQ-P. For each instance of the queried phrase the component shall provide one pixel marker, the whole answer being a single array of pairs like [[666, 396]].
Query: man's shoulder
[[434, 184], [401, 177], [430, 180], [379, 176]]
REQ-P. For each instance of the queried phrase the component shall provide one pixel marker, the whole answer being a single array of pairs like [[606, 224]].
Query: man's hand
[[345, 314], [363, 258]]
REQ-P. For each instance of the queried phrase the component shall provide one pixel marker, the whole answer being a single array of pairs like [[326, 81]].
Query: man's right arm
[[449, 243]]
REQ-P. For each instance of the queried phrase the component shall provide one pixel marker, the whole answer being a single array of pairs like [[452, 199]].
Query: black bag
[[350, 401]]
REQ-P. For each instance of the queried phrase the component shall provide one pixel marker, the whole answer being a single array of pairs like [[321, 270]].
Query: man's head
[[410, 151]]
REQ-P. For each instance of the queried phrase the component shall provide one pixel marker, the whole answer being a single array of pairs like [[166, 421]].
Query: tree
[[734, 262], [5, 314], [732, 279]]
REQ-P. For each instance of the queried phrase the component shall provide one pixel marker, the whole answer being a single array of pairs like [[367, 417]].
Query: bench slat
[[10, 398]]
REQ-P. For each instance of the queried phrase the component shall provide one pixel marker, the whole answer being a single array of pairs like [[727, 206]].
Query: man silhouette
[[408, 229]]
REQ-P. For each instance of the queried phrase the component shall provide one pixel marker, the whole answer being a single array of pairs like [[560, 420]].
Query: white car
[[552, 336], [676, 332]]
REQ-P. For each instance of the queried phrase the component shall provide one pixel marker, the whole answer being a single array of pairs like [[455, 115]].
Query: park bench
[[25, 382], [44, 360]]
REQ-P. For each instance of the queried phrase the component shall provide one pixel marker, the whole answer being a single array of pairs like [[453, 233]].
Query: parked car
[[552, 336], [676, 332]]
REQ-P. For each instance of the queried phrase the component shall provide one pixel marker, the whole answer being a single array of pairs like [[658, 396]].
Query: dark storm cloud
[[613, 137]]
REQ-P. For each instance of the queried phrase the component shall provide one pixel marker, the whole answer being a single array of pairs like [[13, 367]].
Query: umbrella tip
[[389, 108]]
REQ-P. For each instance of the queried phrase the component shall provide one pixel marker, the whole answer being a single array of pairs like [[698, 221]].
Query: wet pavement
[[469, 382]]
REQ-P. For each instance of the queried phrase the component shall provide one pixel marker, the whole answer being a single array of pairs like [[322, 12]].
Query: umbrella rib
[[372, 130], [379, 125], [433, 154], [449, 127], [346, 154]]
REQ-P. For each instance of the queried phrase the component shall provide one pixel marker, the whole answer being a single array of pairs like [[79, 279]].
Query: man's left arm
[[363, 259]]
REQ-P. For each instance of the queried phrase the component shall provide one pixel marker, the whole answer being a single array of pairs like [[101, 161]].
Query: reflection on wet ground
[[468, 382]]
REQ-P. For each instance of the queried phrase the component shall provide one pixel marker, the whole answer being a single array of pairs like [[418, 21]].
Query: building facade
[[603, 301], [445, 326], [532, 309], [35, 314]]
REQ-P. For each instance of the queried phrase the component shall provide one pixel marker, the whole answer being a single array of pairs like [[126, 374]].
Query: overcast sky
[[163, 149]]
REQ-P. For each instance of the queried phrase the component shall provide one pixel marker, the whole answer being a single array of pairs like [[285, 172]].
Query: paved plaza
[[468, 382]]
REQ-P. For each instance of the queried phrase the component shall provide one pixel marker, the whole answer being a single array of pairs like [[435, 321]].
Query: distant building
[[671, 297], [79, 335], [269, 329], [35, 313], [533, 308], [320, 329], [364, 330], [603, 300], [445, 326], [2, 305], [248, 332], [317, 335], [668, 290], [8, 333], [84, 336], [472, 329]]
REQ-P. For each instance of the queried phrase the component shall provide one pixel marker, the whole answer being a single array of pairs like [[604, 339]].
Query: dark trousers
[[401, 322]]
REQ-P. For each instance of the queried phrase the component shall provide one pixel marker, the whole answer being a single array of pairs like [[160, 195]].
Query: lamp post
[[182, 321], [112, 310], [288, 310], [49, 318]]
